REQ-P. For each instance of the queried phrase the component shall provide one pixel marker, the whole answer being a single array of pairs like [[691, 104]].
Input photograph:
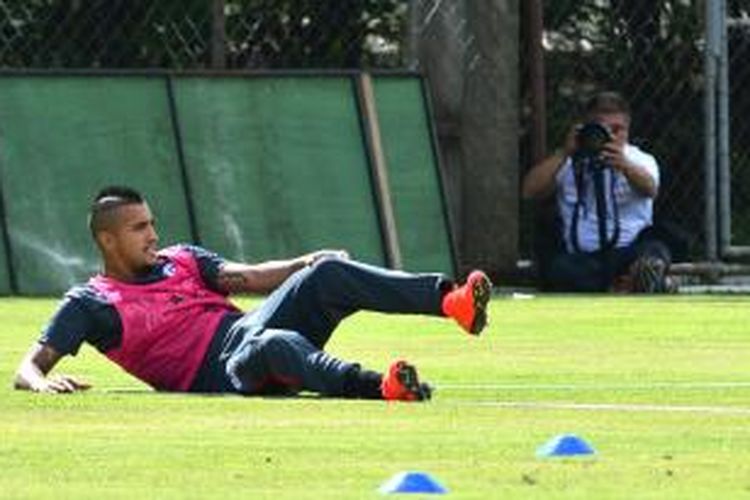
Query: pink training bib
[[167, 326]]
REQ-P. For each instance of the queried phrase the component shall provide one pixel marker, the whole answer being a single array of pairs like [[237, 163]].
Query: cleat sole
[[407, 375], [482, 290], [425, 392]]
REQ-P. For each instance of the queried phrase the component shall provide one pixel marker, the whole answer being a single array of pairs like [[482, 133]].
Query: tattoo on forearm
[[233, 281]]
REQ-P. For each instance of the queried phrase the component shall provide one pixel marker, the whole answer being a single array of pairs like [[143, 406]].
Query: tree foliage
[[314, 33], [179, 33]]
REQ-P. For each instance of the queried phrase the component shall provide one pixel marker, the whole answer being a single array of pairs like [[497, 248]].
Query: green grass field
[[659, 386]]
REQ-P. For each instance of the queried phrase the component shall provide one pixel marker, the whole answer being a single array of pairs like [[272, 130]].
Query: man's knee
[[277, 343], [266, 358], [576, 273], [327, 271], [654, 248], [329, 266]]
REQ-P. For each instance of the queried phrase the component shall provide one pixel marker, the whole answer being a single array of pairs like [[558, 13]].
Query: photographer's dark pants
[[278, 347], [595, 271]]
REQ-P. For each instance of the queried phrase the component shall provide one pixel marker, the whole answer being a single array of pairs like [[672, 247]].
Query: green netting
[[277, 166], [416, 190], [62, 139], [5, 285]]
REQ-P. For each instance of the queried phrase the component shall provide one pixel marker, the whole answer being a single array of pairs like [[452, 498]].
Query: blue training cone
[[564, 445], [412, 482]]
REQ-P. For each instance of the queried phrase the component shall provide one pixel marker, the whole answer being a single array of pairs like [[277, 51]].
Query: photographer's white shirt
[[635, 210]]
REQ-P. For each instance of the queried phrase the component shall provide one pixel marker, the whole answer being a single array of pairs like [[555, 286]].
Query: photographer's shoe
[[467, 304], [649, 275], [401, 383]]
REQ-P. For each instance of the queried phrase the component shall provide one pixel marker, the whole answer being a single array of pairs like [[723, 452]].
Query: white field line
[[522, 405], [595, 387], [645, 386], [614, 407]]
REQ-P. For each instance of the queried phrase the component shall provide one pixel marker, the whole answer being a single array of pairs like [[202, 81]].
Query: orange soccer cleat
[[401, 383], [467, 304]]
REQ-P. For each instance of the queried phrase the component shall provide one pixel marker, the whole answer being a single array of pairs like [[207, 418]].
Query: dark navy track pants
[[278, 347]]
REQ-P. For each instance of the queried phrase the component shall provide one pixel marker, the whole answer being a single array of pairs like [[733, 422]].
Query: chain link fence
[[738, 79], [195, 34], [654, 52], [472, 71]]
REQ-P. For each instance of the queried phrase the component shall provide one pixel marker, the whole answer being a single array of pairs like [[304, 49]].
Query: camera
[[591, 138]]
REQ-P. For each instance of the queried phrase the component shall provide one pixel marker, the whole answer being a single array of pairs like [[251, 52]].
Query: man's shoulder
[[177, 249], [208, 262], [84, 314], [190, 249], [85, 293], [564, 175], [638, 155], [643, 159]]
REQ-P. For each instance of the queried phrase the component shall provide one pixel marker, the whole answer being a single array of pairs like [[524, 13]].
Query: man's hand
[[314, 257], [60, 384], [571, 140], [264, 277], [539, 182], [32, 374], [614, 154]]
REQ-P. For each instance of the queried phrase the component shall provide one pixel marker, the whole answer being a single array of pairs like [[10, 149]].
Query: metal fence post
[[218, 35], [535, 25], [711, 56], [411, 52], [722, 95], [726, 247]]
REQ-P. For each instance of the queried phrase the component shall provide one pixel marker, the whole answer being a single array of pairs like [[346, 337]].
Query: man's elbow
[[19, 383], [529, 189]]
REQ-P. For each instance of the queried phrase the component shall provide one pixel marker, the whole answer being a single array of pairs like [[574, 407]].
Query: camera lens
[[591, 138]]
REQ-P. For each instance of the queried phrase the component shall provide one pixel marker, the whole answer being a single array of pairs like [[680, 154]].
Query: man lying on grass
[[164, 316]]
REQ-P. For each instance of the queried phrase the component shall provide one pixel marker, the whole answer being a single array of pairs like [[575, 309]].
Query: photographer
[[604, 189]]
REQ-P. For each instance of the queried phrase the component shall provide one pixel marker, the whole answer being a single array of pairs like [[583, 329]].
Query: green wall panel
[[413, 175], [62, 139], [277, 166], [5, 285]]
